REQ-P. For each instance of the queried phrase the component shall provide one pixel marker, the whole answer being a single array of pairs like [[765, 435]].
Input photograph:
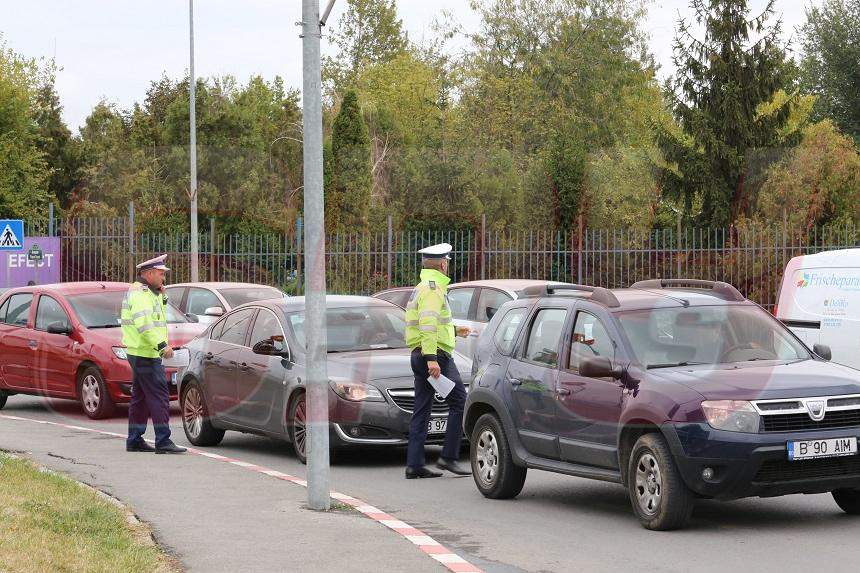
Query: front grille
[[793, 422], [405, 399], [776, 471]]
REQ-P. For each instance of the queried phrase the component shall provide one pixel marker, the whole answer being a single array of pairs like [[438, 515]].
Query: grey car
[[248, 373]]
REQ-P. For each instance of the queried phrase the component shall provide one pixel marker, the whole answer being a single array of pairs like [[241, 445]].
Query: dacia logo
[[816, 410], [439, 399]]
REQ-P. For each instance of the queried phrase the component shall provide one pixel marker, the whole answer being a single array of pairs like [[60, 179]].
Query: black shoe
[[140, 446], [422, 472], [170, 449], [453, 466]]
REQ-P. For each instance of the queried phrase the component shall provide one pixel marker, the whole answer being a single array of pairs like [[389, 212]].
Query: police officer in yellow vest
[[430, 334], [144, 334]]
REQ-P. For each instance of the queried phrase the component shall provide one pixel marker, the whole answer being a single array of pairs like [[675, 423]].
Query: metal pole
[[315, 292], [192, 83], [390, 248], [131, 265], [50, 219]]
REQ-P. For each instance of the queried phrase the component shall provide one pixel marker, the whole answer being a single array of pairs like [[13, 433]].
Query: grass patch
[[51, 523]]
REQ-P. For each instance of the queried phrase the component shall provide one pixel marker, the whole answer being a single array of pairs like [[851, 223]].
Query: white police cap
[[156, 263], [440, 251]]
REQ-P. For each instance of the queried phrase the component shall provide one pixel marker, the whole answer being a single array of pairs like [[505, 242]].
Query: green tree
[[722, 80], [61, 150], [351, 178], [24, 172], [368, 33], [830, 66]]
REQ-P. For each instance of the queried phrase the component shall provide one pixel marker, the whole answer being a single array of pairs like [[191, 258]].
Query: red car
[[65, 341]]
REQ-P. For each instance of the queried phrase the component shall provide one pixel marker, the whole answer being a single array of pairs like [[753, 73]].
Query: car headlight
[[732, 415], [356, 391], [119, 352]]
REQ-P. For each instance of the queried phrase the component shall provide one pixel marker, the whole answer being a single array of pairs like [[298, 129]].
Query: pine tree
[[721, 82], [351, 178]]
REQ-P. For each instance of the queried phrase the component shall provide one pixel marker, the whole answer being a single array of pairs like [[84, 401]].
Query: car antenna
[[684, 302]]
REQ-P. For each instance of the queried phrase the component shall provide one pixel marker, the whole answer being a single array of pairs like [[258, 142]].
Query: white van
[[820, 301]]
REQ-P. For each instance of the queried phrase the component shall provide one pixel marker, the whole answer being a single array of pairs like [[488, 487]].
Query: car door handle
[[244, 366], [32, 343], [515, 382], [208, 356], [563, 391]]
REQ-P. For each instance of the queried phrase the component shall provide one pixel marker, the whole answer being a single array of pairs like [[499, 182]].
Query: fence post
[[51, 219], [299, 232], [579, 249], [390, 249], [131, 264], [482, 245], [212, 243], [678, 248]]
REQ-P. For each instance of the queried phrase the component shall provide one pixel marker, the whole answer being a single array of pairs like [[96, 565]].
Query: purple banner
[[16, 268]]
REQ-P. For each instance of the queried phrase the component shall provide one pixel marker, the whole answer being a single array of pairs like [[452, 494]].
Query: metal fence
[[751, 258]]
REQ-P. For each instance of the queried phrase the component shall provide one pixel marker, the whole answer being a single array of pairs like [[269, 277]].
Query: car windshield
[[102, 309], [667, 337], [241, 295], [358, 328]]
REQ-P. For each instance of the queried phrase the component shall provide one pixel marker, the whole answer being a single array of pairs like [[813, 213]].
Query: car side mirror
[[491, 312], [59, 328], [192, 318], [823, 351], [213, 311], [599, 367], [267, 348]]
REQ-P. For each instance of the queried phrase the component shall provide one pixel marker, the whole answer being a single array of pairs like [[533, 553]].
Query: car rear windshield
[[241, 295], [683, 336], [358, 328], [102, 309]]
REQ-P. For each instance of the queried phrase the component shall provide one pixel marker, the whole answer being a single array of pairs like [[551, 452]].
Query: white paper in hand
[[181, 358], [443, 385]]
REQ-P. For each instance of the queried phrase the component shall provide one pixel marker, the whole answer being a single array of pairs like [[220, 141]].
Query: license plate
[[829, 448], [437, 426]]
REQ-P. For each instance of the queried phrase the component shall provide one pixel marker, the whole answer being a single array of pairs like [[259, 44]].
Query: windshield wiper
[[105, 326], [674, 364]]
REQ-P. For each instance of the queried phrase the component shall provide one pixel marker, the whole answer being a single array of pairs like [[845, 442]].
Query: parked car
[[209, 301], [675, 389], [248, 373], [65, 341], [819, 300], [472, 303]]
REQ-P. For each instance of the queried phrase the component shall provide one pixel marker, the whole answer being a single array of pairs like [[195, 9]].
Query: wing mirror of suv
[[823, 351], [59, 328], [267, 348], [213, 311], [599, 367]]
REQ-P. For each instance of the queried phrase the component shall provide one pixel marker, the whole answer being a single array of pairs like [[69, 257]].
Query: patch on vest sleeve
[[432, 284]]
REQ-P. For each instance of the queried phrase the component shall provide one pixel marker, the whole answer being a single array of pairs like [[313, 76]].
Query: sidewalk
[[218, 517]]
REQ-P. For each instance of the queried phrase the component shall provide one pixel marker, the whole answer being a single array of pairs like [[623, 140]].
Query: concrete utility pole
[[195, 269], [315, 289]]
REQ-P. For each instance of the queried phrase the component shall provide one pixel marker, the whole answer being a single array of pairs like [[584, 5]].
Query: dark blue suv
[[676, 389]]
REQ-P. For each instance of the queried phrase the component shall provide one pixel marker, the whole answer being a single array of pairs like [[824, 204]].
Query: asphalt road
[[558, 523]]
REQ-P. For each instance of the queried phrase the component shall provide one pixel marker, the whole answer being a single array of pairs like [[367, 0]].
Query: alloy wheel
[[192, 412], [299, 426], [649, 484], [487, 458], [90, 393]]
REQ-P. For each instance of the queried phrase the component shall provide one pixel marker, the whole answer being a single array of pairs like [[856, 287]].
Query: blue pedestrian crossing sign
[[11, 235]]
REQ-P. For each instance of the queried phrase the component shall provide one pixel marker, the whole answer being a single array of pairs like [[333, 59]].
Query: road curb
[[421, 540]]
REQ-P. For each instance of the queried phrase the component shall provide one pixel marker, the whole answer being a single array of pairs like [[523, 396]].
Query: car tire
[[93, 395], [660, 498], [297, 426], [3, 397], [848, 500], [195, 417], [496, 474]]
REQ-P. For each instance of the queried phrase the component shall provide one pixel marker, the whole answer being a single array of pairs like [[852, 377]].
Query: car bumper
[[120, 391], [750, 465]]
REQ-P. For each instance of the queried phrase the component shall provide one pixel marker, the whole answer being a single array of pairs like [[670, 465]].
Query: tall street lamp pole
[[195, 259]]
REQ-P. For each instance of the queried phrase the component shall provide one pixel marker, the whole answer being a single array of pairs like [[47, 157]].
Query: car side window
[[460, 299], [49, 312], [489, 303], [199, 299], [174, 294], [236, 327], [507, 329], [19, 309], [590, 338], [267, 327], [545, 336]]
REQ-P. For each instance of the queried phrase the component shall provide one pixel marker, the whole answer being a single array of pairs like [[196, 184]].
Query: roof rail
[[598, 294], [719, 288]]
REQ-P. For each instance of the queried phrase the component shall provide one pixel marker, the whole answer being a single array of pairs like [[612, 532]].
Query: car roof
[[297, 303], [220, 285], [838, 258], [73, 288], [640, 299], [512, 285]]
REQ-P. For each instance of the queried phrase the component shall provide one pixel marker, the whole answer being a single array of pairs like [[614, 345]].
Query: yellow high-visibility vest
[[428, 316], [144, 322]]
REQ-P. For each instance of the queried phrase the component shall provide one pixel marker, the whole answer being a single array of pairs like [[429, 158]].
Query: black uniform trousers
[[424, 394], [150, 398]]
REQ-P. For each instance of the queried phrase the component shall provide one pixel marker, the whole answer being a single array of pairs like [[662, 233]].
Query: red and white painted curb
[[424, 542]]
